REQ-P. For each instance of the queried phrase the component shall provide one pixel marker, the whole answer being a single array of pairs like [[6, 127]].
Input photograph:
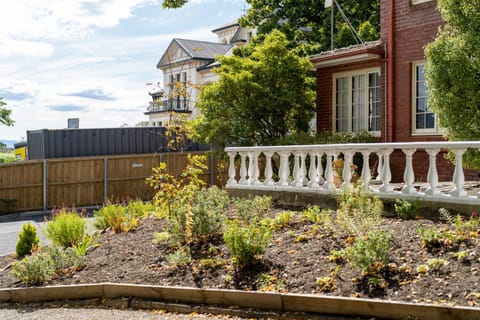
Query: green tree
[[307, 23], [453, 73], [258, 98], [5, 114]]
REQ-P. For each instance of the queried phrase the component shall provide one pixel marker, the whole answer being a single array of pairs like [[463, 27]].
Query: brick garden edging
[[145, 297]]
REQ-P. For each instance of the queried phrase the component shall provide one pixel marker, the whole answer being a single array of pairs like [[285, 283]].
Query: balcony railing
[[311, 168], [177, 105]]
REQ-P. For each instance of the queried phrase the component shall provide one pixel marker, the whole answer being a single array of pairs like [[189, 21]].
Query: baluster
[[379, 167], [284, 170], [268, 169], [347, 170], [386, 173], [329, 185], [243, 168], [458, 177], [231, 169], [254, 179], [409, 174], [366, 175], [313, 172], [432, 175], [299, 169], [321, 180], [251, 168], [304, 169]]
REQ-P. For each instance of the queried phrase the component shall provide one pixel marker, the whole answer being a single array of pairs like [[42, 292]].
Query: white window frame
[[414, 2], [351, 74], [436, 130]]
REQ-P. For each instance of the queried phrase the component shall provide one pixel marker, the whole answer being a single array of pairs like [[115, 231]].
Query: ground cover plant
[[249, 244]]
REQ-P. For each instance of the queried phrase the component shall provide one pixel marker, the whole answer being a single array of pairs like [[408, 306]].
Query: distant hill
[[9, 143]]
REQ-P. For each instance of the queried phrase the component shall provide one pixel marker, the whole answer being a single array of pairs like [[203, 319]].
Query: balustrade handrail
[[318, 172]]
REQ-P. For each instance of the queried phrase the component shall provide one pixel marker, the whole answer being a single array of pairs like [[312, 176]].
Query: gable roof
[[194, 50]]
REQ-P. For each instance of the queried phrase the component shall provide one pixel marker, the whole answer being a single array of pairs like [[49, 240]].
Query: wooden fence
[[45, 184]]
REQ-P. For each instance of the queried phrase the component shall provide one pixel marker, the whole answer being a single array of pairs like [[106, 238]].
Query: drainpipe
[[390, 73]]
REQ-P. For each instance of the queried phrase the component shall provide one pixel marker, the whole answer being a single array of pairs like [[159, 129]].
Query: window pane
[[430, 121], [341, 108], [425, 119], [420, 121], [421, 105], [374, 101], [358, 103]]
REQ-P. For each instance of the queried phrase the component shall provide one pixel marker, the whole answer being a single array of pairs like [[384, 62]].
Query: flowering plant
[[338, 168]]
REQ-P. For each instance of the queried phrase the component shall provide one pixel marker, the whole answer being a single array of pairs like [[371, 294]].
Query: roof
[[233, 23], [360, 52], [197, 50]]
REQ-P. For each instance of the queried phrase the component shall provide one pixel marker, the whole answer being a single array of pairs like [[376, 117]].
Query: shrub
[[406, 209], [246, 242], [181, 257], [323, 217], [35, 269], [117, 217], [437, 237], [209, 211], [139, 209], [253, 209], [284, 219], [26, 239], [66, 229], [359, 211], [370, 253], [64, 258]]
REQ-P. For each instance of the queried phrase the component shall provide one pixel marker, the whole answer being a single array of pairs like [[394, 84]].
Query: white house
[[187, 66]]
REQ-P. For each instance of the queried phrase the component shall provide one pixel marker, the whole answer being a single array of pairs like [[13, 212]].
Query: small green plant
[[66, 229], [322, 217], [269, 282], [302, 238], [181, 257], [466, 225], [246, 242], [435, 264], [35, 269], [369, 253], [284, 219], [139, 209], [406, 209], [82, 246], [464, 255], [27, 238], [161, 237], [64, 259], [359, 211], [116, 216], [434, 238], [209, 207], [327, 284], [253, 209]]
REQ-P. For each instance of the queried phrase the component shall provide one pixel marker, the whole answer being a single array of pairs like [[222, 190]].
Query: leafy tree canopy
[[5, 114], [258, 98], [453, 72]]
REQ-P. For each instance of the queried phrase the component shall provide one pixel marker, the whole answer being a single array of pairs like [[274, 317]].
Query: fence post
[[105, 179], [212, 169], [45, 185]]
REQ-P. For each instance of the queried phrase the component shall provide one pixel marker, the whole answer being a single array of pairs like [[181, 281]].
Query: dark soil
[[297, 256]]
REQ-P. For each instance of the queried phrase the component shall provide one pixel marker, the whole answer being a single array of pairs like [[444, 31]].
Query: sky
[[92, 59]]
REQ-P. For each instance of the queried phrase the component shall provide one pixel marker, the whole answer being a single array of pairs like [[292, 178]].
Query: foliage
[[369, 253], [121, 218], [173, 4], [358, 211], [27, 238], [5, 114], [319, 216], [34, 269], [64, 259], [181, 257], [258, 98], [433, 237], [453, 72], [7, 157], [406, 209], [246, 242], [283, 219], [307, 23], [209, 211], [66, 229], [253, 209]]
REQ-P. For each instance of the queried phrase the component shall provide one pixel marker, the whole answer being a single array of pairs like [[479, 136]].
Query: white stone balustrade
[[309, 168]]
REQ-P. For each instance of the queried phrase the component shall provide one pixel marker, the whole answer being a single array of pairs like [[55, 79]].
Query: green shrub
[[118, 217], [26, 239], [323, 217], [439, 237], [139, 209], [35, 269], [253, 209], [64, 258], [246, 242], [208, 211], [406, 209], [359, 211], [370, 253], [65, 229], [181, 257]]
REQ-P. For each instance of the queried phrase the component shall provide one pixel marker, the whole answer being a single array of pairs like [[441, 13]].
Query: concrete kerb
[[182, 298]]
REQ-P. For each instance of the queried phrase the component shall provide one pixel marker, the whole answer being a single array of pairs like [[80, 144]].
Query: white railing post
[[268, 169], [284, 170], [409, 174], [243, 168], [366, 175], [458, 177], [379, 167], [298, 170], [432, 175], [313, 171], [347, 170], [321, 180], [231, 169], [304, 168], [386, 173], [329, 185], [251, 168]]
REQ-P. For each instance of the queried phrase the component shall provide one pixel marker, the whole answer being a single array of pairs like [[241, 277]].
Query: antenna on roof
[[329, 4]]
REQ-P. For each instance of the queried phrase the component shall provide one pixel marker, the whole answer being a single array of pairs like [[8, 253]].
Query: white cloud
[[10, 47]]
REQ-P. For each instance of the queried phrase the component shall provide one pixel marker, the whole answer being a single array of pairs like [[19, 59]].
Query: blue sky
[[91, 59]]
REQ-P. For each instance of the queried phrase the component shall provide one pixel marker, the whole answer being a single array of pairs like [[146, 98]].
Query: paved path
[[9, 235]]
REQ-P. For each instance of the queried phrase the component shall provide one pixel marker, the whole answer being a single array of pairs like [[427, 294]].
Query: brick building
[[380, 87]]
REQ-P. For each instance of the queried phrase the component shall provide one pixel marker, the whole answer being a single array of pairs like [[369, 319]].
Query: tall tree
[[258, 98], [5, 114], [453, 72]]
